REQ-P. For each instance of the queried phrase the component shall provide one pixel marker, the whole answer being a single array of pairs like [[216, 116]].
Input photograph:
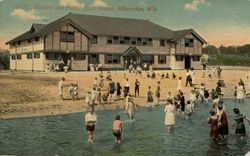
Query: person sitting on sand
[[90, 120], [173, 75], [167, 76], [117, 128]]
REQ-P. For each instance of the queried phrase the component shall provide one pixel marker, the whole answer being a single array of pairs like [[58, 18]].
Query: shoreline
[[28, 95], [65, 109]]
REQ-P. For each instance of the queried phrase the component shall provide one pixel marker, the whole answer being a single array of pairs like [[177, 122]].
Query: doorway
[[133, 59], [66, 58], [187, 61], [93, 59]]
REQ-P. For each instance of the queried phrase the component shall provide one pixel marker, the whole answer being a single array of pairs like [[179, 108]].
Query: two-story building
[[113, 42]]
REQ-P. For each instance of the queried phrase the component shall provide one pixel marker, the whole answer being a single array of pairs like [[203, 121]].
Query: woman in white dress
[[179, 84], [169, 118], [240, 93]]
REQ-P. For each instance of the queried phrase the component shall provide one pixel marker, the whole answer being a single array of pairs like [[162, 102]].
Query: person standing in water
[[90, 120], [169, 117], [130, 107], [223, 124], [239, 123], [190, 109], [150, 98], [117, 128], [213, 121], [182, 102], [240, 93]]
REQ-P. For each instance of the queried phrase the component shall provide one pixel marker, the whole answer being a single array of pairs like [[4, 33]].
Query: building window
[[29, 56], [189, 42], [148, 59], [144, 41], [19, 56], [150, 41], [179, 57], [121, 40], [133, 40], [109, 40], [13, 57], [53, 56], [29, 40], [37, 39], [36, 55], [116, 39], [162, 59], [162, 43], [13, 44], [93, 40], [196, 58], [79, 56], [112, 59], [127, 40], [139, 41], [67, 36], [19, 42]]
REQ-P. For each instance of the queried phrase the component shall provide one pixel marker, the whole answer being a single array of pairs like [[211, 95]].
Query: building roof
[[100, 25]]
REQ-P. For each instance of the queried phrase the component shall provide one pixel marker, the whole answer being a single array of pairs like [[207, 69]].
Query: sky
[[219, 22]]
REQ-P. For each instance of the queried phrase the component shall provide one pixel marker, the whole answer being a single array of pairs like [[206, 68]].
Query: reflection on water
[[147, 135]]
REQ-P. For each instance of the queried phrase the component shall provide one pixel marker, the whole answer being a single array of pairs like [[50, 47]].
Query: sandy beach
[[25, 94]]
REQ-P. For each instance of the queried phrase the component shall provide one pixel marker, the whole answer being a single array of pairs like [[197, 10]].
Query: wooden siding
[[103, 47], [52, 40], [196, 49]]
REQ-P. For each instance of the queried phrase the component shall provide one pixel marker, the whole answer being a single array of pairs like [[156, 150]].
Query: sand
[[36, 94]]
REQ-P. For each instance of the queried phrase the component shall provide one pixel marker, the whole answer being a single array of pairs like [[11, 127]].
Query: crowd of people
[[179, 103]]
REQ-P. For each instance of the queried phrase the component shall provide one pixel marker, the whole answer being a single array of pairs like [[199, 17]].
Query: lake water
[[66, 135]]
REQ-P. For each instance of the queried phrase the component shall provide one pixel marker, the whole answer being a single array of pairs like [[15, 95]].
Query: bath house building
[[80, 40]]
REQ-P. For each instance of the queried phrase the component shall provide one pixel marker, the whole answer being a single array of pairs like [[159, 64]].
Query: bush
[[5, 61], [229, 59]]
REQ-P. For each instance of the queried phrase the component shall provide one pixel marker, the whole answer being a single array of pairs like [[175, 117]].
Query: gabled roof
[[181, 33], [99, 25], [37, 27], [132, 50]]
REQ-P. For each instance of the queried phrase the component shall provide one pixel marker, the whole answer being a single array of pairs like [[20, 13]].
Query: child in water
[[190, 109], [117, 128]]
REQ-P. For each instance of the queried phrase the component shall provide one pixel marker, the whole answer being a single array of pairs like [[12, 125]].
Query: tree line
[[230, 55]]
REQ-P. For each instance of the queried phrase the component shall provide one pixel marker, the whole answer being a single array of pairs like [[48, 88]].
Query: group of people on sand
[[177, 103], [73, 89]]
